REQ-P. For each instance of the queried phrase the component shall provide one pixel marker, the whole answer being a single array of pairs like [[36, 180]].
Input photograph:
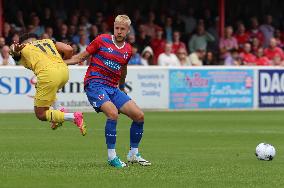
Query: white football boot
[[137, 159]]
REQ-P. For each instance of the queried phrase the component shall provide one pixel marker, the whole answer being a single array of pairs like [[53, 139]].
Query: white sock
[[111, 154], [134, 151], [69, 117]]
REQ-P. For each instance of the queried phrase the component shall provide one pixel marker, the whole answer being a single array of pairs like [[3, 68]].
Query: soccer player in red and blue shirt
[[104, 85]]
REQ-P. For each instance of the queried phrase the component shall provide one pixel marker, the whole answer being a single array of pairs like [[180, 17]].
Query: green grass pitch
[[187, 149]]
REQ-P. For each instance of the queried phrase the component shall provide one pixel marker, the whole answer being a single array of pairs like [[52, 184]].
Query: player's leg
[[56, 106], [129, 108], [62, 80], [111, 112], [49, 81], [98, 97], [58, 117], [76, 117], [40, 113]]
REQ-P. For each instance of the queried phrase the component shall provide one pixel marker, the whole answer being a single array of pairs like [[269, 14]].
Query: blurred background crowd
[[163, 33]]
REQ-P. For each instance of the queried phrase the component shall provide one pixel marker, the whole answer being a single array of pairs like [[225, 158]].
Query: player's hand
[[18, 47], [15, 48]]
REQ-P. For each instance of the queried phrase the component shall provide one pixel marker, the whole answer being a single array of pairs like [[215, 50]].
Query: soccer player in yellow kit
[[43, 57]]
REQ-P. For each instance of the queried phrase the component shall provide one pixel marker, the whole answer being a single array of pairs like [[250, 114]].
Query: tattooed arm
[[75, 59]]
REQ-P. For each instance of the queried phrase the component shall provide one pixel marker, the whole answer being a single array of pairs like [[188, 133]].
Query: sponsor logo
[[249, 82], [196, 80], [125, 55], [271, 88], [101, 97], [18, 85], [110, 49], [185, 80], [112, 135], [270, 83], [73, 87]]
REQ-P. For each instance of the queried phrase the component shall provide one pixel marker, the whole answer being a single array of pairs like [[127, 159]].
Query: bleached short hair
[[123, 19]]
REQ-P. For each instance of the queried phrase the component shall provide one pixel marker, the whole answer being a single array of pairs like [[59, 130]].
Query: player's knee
[[40, 115], [112, 115], [139, 117]]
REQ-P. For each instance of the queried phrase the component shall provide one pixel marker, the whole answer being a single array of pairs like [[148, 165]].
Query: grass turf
[[187, 149]]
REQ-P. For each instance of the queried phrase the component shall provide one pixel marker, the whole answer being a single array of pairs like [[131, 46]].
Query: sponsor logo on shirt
[[101, 97], [125, 55]]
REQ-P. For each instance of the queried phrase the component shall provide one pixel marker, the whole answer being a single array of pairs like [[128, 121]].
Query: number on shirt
[[43, 47]]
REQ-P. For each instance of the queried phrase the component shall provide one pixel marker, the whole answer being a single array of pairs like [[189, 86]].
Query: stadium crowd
[[169, 38]]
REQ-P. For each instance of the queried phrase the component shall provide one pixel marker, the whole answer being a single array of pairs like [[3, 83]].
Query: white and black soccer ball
[[265, 152]]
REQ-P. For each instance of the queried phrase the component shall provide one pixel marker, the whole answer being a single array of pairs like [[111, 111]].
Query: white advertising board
[[148, 87], [16, 89]]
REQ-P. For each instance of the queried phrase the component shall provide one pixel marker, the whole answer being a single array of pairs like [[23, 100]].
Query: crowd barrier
[[161, 88]]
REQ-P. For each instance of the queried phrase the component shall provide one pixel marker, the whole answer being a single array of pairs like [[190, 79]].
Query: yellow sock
[[55, 116]]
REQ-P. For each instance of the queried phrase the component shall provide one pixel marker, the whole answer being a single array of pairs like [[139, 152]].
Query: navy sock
[[110, 133], [136, 132]]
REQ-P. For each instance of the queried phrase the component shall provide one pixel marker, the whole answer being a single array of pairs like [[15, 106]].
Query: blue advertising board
[[205, 88], [271, 88]]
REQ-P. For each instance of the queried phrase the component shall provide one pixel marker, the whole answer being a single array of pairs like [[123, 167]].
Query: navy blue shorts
[[98, 94]]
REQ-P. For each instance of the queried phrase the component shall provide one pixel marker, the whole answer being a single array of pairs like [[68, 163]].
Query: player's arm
[[65, 50], [75, 59], [91, 49], [122, 78]]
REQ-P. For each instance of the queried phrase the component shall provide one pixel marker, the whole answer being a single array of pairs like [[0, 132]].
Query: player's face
[[120, 31]]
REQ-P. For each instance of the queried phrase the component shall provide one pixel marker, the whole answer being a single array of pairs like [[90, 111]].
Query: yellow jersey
[[38, 54]]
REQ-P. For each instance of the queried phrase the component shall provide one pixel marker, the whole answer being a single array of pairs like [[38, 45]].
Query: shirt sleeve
[[94, 45]]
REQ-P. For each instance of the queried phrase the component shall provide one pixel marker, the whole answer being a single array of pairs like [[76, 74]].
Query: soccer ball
[[265, 152]]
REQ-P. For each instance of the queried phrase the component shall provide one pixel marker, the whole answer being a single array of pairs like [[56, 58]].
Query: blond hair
[[123, 19]]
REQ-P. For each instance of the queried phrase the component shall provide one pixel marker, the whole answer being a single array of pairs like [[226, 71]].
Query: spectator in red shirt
[[242, 36], [177, 44], [277, 60], [255, 45], [158, 44], [273, 50], [150, 26], [254, 31], [261, 60], [247, 57], [279, 38], [227, 43]]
